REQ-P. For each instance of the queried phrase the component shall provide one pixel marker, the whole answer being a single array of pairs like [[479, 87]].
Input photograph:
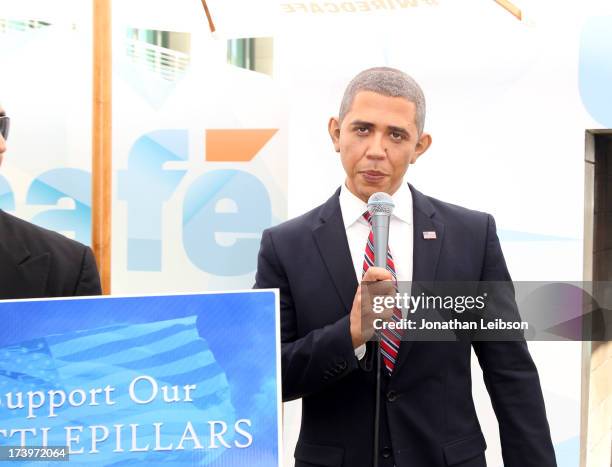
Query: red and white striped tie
[[390, 339]]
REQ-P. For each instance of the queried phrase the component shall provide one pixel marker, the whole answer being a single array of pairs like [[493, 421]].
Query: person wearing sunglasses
[[39, 263], [4, 130]]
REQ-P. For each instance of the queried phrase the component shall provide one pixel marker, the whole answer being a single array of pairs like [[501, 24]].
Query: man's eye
[[362, 130], [397, 136]]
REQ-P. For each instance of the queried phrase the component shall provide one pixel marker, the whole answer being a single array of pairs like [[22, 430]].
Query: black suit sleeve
[[512, 380], [316, 360], [88, 281]]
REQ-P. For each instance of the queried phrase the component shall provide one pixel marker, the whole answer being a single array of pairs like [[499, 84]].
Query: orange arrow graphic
[[236, 145]]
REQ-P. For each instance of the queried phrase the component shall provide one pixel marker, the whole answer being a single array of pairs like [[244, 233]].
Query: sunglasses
[[5, 124]]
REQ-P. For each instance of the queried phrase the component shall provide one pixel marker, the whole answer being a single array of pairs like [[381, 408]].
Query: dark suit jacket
[[427, 415], [38, 263]]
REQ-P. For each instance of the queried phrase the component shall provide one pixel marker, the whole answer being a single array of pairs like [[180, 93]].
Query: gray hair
[[388, 82]]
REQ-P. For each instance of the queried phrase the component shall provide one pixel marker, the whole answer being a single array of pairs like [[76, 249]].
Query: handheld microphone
[[380, 207]]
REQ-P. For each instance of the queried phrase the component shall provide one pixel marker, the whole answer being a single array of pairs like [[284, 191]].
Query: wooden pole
[[211, 24], [102, 140], [511, 7]]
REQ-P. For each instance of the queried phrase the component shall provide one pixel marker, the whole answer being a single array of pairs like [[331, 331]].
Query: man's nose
[[376, 149]]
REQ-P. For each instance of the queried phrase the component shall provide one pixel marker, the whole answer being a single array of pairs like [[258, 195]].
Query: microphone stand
[[382, 207], [380, 260], [377, 403]]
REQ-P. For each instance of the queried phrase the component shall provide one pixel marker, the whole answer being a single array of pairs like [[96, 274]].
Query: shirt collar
[[353, 208]]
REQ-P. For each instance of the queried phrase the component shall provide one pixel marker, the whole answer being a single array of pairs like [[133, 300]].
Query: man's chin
[[372, 188], [366, 192], [363, 191]]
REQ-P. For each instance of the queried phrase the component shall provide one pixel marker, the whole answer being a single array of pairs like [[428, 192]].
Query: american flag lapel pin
[[429, 235]]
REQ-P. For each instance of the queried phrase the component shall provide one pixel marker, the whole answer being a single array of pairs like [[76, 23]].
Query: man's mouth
[[373, 175]]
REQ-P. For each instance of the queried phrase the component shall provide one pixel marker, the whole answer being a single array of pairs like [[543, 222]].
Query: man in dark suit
[[427, 414], [37, 263]]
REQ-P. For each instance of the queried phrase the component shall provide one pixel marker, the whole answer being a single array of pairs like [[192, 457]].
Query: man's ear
[[421, 146], [334, 132]]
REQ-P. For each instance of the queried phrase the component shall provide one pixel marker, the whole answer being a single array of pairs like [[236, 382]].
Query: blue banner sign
[[179, 380]]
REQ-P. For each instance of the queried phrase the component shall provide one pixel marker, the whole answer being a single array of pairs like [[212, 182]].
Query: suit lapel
[[426, 253], [330, 237], [21, 274]]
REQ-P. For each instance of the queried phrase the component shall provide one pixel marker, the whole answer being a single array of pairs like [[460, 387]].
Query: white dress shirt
[[400, 234]]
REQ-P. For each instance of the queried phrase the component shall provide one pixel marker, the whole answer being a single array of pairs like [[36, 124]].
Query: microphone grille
[[380, 203]]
